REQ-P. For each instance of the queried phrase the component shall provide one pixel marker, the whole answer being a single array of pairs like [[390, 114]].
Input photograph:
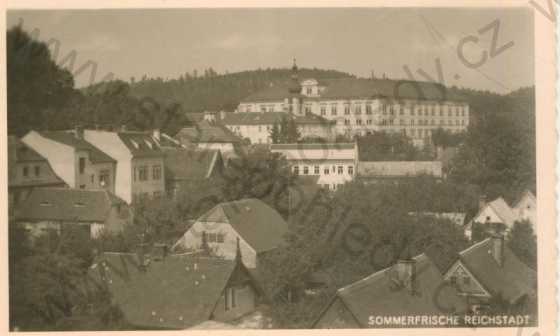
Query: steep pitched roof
[[524, 195], [69, 138], [67, 205], [361, 88], [140, 144], [377, 294], [19, 152], [184, 164], [204, 132], [502, 209], [513, 279], [387, 169], [261, 226], [172, 293]]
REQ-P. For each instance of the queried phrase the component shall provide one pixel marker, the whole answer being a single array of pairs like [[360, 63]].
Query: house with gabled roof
[[139, 156], [411, 287], [499, 214], [60, 209], [184, 167], [258, 227], [27, 170], [526, 208], [78, 162], [489, 269], [176, 291], [209, 136]]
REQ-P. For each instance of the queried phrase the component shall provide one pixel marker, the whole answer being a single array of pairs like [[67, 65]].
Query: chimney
[[156, 133], [159, 251], [497, 248], [79, 132], [222, 115], [481, 202], [406, 273], [123, 128]]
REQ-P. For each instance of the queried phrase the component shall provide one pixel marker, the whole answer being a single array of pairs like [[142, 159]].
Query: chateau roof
[[362, 88], [388, 169], [184, 164], [204, 132]]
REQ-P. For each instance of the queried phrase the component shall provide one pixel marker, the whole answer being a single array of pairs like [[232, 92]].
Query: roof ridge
[[476, 245]]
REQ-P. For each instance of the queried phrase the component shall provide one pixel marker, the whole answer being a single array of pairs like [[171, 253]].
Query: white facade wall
[[192, 239], [60, 156], [111, 144], [223, 147]]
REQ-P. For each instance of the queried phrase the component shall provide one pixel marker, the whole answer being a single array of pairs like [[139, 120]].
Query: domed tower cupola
[[295, 87]]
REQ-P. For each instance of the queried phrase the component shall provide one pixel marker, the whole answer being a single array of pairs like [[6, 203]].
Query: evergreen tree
[[523, 242], [292, 132], [275, 133]]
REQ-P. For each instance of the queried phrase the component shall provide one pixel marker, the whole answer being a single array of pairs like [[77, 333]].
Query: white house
[[333, 163], [499, 212], [140, 166], [257, 226]]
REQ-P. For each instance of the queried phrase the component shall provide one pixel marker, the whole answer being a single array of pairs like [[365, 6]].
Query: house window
[[37, 171], [82, 164], [368, 109], [25, 171], [350, 170], [156, 194], [346, 122], [340, 170], [296, 170], [143, 173], [368, 121], [358, 109], [305, 170], [333, 110], [346, 109], [323, 110], [156, 172], [326, 171], [453, 280], [104, 178], [316, 170], [358, 121], [309, 90], [467, 280], [230, 298]]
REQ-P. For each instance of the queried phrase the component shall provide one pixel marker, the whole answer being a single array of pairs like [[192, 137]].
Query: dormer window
[[79, 205], [45, 204], [149, 144], [135, 144]]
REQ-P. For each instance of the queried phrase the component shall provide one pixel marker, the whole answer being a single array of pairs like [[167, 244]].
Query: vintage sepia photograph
[[275, 168]]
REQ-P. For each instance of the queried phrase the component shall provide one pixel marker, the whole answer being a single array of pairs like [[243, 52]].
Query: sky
[[169, 42]]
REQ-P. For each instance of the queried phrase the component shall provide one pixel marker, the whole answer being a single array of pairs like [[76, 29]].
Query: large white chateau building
[[358, 106]]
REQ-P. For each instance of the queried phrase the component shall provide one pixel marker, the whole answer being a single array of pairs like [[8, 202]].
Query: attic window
[[79, 205], [134, 143], [149, 144], [45, 204]]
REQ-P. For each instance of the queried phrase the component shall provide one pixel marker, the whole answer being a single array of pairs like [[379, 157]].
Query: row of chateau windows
[[386, 122], [316, 170], [389, 110]]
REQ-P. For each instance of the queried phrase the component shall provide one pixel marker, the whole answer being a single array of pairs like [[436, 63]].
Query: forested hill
[[212, 91]]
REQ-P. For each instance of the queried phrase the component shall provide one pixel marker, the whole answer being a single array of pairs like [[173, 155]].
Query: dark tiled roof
[[260, 225], [140, 144], [68, 138], [513, 279], [184, 164], [377, 294], [170, 293], [68, 205], [20, 152], [205, 132], [361, 88], [310, 146]]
